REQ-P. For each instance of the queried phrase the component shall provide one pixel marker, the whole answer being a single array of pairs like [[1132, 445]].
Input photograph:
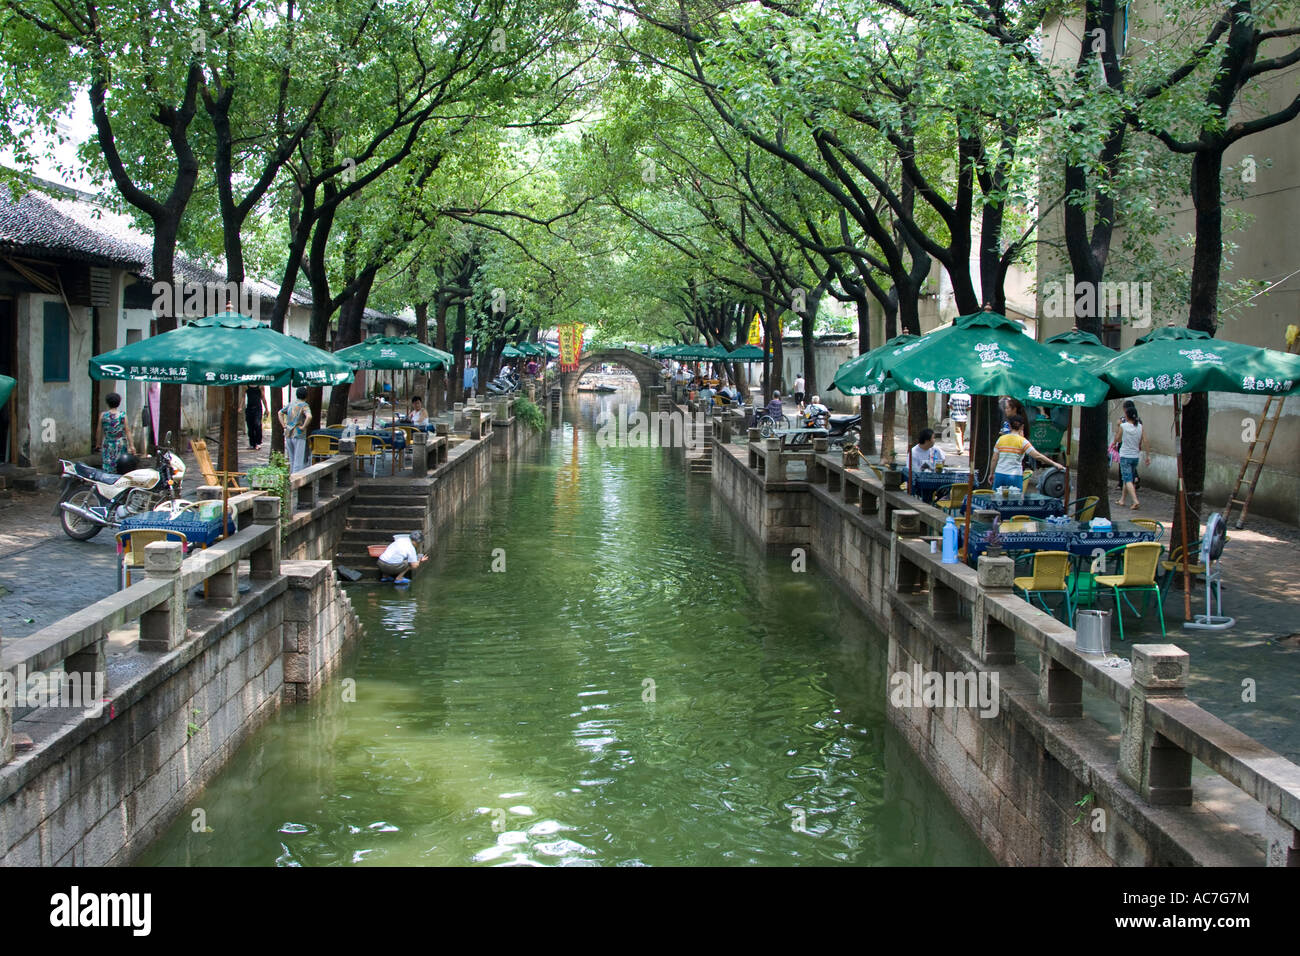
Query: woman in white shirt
[[418, 415], [1132, 441]]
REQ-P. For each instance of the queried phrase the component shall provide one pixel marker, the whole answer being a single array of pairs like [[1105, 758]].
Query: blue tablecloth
[[926, 483], [1032, 506], [1073, 538], [196, 530]]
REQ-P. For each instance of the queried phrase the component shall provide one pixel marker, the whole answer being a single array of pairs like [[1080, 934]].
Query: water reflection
[[641, 685]]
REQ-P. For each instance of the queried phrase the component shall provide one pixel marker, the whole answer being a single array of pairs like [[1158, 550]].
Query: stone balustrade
[[159, 603]]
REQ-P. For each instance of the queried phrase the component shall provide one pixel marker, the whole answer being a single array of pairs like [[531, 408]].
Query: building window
[[58, 362]]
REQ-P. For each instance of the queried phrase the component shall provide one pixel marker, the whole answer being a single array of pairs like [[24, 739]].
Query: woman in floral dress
[[114, 436]]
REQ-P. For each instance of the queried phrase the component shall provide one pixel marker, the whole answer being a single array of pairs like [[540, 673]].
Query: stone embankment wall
[[1043, 778]]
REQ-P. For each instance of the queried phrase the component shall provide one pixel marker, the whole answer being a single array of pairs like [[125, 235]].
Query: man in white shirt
[[925, 453], [799, 385], [400, 557], [817, 415]]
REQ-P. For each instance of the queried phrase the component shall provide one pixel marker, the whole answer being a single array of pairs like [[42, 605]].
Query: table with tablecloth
[[926, 483], [1018, 503], [1072, 537], [198, 531], [397, 438]]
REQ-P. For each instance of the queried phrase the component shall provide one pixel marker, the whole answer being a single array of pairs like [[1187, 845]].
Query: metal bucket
[[1092, 632]]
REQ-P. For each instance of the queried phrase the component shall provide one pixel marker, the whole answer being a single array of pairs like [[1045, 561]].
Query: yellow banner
[[756, 330]]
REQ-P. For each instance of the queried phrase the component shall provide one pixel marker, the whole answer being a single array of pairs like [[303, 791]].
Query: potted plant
[[273, 478], [993, 541]]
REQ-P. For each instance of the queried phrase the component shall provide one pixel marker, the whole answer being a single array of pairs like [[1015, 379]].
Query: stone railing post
[[816, 470], [264, 563], [992, 641], [458, 416], [6, 730], [325, 485], [305, 495], [442, 429], [346, 475], [1283, 839], [420, 454], [163, 628], [474, 421], [1148, 762], [905, 577], [773, 465], [1060, 690]]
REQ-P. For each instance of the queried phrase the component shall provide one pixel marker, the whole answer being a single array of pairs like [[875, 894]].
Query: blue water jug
[[949, 542]]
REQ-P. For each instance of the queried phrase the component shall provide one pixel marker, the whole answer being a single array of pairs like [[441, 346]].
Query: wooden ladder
[[1263, 436]]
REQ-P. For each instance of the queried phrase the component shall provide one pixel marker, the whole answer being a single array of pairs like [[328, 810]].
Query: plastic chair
[[1024, 481], [209, 472], [1152, 525], [982, 491], [1173, 567], [1085, 508], [1023, 518], [323, 446], [1018, 524], [369, 447], [956, 497], [1048, 576], [1138, 574], [131, 545]]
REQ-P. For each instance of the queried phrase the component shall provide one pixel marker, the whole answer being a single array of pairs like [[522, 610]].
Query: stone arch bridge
[[642, 366]]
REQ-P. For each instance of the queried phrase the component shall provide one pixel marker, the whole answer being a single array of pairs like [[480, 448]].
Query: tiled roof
[[35, 225]]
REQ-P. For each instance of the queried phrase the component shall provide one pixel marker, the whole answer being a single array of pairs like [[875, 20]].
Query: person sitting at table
[[1007, 461], [706, 394], [816, 415], [419, 417], [925, 453], [400, 557]]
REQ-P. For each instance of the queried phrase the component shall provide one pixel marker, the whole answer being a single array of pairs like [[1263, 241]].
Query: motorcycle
[[93, 499], [840, 429], [503, 383]]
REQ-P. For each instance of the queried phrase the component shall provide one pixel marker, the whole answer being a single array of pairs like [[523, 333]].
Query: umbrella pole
[[1182, 509], [965, 541], [225, 458], [1069, 447]]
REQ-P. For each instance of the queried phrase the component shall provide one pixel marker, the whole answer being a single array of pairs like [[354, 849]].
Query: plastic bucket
[[1092, 632]]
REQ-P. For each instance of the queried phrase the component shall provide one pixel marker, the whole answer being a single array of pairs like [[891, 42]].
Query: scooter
[[840, 429], [93, 499]]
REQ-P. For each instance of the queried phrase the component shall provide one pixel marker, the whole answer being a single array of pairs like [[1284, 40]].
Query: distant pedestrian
[[1131, 442], [799, 385], [295, 417], [255, 406], [959, 413], [114, 437]]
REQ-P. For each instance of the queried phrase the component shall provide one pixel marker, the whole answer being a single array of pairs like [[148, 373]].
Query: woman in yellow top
[[1009, 451]]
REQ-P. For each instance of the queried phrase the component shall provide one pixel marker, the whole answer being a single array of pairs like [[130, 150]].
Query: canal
[[599, 667]]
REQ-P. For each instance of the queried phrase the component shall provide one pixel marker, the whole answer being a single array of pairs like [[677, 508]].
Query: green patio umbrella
[[394, 353], [511, 352], [225, 350], [1077, 347], [746, 353], [868, 373], [6, 389], [1175, 360], [988, 354]]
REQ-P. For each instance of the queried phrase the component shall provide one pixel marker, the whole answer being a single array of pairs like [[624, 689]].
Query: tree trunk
[[349, 333], [866, 431], [1203, 308], [456, 387], [422, 322]]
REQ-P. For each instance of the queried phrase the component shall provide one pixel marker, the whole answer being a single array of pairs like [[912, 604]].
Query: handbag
[[1114, 454]]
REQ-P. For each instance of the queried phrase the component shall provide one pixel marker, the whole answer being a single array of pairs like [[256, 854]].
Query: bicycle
[[768, 426]]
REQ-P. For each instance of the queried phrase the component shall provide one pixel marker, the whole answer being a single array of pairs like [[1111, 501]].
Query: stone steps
[[384, 510]]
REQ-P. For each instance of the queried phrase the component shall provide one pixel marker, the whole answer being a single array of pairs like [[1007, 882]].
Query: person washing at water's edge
[[400, 557]]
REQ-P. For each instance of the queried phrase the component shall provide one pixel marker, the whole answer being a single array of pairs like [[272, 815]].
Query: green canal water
[[640, 685]]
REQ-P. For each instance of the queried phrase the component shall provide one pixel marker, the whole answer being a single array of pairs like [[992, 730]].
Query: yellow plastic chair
[[1023, 518], [1084, 510], [1173, 567], [1137, 574], [131, 545], [323, 446], [1152, 525], [956, 497], [1024, 482], [982, 491], [1048, 576], [369, 447]]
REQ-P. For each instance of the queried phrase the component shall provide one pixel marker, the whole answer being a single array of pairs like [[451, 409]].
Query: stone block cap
[[1161, 666], [164, 556]]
